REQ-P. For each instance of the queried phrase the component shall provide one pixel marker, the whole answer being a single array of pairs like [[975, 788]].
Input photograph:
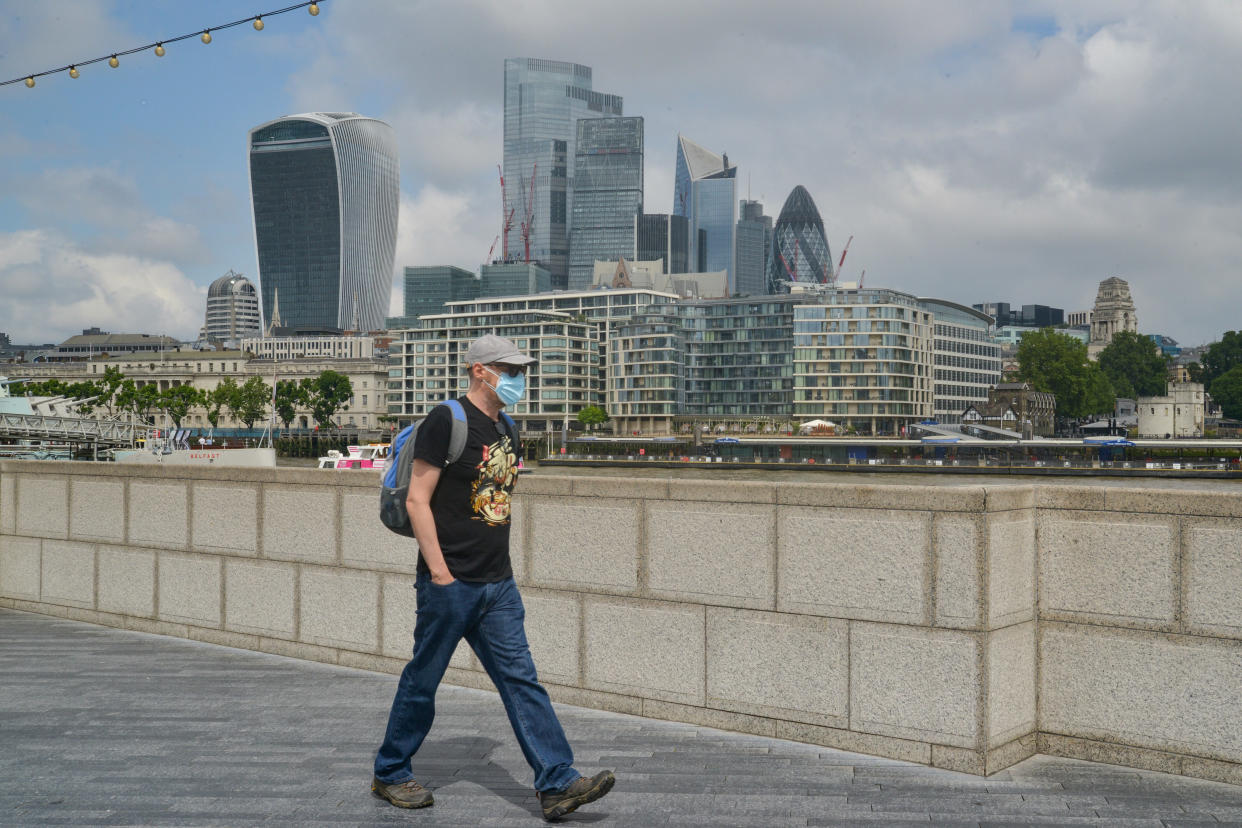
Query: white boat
[[370, 456], [174, 450]]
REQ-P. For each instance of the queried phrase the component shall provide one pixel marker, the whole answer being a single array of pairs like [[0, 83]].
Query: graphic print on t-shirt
[[489, 494]]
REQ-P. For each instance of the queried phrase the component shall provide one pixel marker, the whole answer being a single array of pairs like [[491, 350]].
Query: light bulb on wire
[[258, 24], [73, 72], [113, 62], [160, 51], [206, 38], [313, 8], [30, 83]]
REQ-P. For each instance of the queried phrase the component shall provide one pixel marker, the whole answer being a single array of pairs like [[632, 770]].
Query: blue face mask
[[509, 389]]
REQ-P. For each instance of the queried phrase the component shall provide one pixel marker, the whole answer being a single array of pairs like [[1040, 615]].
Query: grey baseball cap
[[491, 348]]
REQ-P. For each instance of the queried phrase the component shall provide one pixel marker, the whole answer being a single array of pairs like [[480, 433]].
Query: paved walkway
[[106, 727]]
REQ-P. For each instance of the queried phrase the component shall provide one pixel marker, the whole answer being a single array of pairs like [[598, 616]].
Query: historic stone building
[[1114, 312]]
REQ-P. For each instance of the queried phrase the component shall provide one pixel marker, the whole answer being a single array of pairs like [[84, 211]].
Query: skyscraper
[[543, 101], [325, 187], [428, 287], [665, 237], [754, 244], [799, 246], [608, 194], [705, 192], [232, 310]]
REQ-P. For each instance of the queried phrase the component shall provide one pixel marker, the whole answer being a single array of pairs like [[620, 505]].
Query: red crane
[[491, 249], [508, 216], [792, 271], [842, 262], [529, 220]]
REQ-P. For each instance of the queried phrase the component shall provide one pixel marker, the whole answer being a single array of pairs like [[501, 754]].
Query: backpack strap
[[457, 438]]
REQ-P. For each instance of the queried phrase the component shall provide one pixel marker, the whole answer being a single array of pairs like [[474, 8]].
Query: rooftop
[[108, 726]]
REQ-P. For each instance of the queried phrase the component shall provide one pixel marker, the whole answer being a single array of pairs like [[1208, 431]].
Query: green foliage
[[290, 395], [1195, 371], [592, 415], [1221, 357], [1134, 365], [1227, 392], [326, 394], [1058, 363], [222, 396], [143, 401], [107, 388], [178, 400], [250, 402]]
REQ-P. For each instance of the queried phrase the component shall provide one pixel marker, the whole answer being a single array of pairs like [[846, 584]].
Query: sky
[[976, 150]]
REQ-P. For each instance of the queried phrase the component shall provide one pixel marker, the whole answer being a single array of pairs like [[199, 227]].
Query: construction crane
[[529, 219], [491, 250], [792, 271], [842, 262], [507, 212]]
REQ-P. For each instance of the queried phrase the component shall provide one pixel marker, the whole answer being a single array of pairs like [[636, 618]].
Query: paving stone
[[163, 731]]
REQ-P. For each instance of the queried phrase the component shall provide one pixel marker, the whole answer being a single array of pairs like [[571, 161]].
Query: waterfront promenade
[[111, 727]]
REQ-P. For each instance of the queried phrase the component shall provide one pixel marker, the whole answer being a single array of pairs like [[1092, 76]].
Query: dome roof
[[229, 284], [800, 209]]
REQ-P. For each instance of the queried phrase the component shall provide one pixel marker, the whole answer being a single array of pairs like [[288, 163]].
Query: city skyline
[[974, 151]]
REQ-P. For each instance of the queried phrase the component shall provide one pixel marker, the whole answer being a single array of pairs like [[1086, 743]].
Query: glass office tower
[[799, 247], [428, 287], [754, 243], [666, 237], [324, 187], [608, 195], [705, 192], [543, 101]]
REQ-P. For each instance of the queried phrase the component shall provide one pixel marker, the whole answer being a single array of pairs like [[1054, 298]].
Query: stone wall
[[960, 626]]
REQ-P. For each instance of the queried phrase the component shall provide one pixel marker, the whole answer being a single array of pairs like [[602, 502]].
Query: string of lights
[[204, 35]]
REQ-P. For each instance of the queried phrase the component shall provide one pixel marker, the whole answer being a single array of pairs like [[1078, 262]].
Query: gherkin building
[[799, 246]]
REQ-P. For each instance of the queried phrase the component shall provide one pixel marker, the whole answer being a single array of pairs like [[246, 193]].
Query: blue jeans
[[491, 618]]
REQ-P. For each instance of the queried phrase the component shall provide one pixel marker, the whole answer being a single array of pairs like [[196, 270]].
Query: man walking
[[465, 589]]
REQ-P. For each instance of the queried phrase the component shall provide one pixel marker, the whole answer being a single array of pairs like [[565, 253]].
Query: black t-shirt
[[471, 501]]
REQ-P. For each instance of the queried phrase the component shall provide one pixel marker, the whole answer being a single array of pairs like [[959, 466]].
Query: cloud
[[439, 227], [54, 289]]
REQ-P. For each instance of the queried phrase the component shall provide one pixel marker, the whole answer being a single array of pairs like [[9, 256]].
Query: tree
[[251, 401], [1058, 363], [1221, 357], [592, 415], [222, 396], [326, 394], [1227, 392], [106, 389], [178, 400], [1134, 365], [290, 396]]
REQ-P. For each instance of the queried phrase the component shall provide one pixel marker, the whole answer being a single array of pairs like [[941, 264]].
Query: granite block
[[1055, 744], [147, 625], [1228, 772], [97, 511], [904, 750], [1173, 693], [1214, 578], [294, 649], [259, 597], [707, 717], [400, 613], [645, 648], [1087, 498], [519, 528], [595, 699], [711, 491], [585, 543], [300, 524], [1005, 498], [374, 663], [19, 568], [8, 504], [127, 581], [778, 665], [1008, 755], [945, 498], [1172, 502], [712, 553], [852, 563], [226, 518], [553, 623], [189, 589], [958, 539], [1105, 570], [1011, 568], [545, 484], [68, 576], [962, 760], [42, 507], [224, 638], [616, 488], [158, 514], [368, 544], [340, 608], [915, 684], [1011, 684]]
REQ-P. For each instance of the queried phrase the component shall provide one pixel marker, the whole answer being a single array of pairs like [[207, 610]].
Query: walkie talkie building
[[324, 186]]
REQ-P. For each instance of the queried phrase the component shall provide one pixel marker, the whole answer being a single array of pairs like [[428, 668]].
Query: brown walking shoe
[[580, 792], [408, 794]]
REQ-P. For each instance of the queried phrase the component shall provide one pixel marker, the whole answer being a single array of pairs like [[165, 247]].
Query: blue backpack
[[395, 484]]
